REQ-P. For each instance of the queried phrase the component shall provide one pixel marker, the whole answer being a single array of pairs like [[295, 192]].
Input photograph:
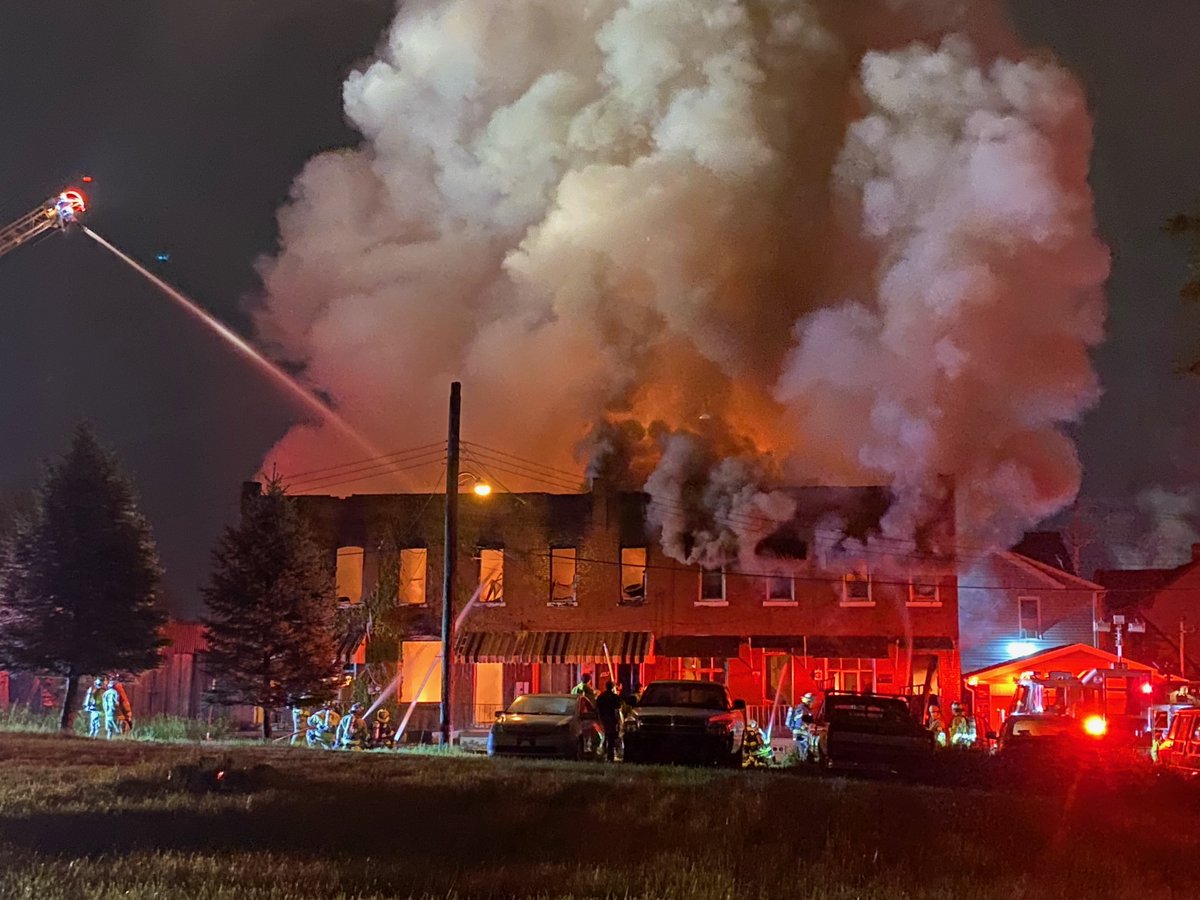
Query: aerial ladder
[[56, 214]]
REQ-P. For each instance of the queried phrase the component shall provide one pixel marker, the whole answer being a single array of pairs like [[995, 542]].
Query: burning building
[[572, 583]]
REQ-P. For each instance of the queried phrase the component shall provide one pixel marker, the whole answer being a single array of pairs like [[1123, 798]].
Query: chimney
[[250, 490]]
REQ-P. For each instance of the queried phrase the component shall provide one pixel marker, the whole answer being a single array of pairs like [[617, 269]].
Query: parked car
[[1053, 739], [686, 722], [547, 725], [1179, 750], [871, 732]]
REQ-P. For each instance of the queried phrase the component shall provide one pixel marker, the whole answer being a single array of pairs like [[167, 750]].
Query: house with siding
[[1013, 605], [1167, 603]]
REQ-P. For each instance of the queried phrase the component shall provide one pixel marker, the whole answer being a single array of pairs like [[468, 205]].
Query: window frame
[[701, 600], [622, 598], [914, 600], [574, 600], [1021, 632], [358, 558], [483, 601], [400, 601], [790, 600], [864, 576]]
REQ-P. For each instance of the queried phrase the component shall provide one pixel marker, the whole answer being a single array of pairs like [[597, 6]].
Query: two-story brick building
[[567, 582]]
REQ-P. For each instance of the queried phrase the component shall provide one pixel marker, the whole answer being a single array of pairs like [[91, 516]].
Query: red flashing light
[[1147, 688], [1095, 726], [87, 179]]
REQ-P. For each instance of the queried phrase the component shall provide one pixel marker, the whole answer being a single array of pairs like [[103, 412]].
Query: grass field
[[93, 819]]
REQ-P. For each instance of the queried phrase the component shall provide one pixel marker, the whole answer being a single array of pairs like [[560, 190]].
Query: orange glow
[[1095, 726], [973, 681], [482, 489]]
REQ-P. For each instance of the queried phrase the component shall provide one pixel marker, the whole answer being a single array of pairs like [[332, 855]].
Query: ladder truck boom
[[58, 213]]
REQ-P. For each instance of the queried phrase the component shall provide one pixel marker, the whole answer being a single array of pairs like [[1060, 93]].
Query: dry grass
[[89, 819]]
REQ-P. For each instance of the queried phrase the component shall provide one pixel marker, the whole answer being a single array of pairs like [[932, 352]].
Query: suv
[[1180, 748], [868, 731], [686, 722]]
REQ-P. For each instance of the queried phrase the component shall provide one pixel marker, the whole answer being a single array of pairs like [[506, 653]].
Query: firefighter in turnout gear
[[322, 728], [352, 730], [962, 728], [381, 730], [800, 721], [91, 706], [584, 688], [936, 726], [299, 719], [110, 705]]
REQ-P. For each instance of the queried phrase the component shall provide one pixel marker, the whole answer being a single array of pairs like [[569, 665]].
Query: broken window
[[633, 576], [411, 588], [781, 589], [712, 585], [856, 588], [349, 574], [562, 576], [923, 591], [491, 576]]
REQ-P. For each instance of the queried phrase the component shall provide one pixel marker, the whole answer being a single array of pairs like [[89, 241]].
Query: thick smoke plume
[[715, 246]]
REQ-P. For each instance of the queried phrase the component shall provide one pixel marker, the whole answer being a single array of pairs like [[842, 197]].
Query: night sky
[[194, 118]]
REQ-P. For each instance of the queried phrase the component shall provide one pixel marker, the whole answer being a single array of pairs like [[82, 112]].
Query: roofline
[[1050, 573], [1063, 649]]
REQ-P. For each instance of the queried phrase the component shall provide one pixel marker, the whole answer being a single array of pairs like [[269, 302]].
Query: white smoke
[[857, 236], [1165, 528]]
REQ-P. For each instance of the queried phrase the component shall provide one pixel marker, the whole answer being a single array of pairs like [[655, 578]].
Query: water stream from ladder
[[310, 401]]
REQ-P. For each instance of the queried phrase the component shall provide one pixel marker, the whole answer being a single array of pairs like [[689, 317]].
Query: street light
[[479, 487]]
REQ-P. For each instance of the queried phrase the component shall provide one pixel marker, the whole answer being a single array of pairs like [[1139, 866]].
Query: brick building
[[567, 580]]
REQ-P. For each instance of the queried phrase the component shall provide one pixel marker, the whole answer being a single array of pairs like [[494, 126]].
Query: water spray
[[282, 379], [391, 688]]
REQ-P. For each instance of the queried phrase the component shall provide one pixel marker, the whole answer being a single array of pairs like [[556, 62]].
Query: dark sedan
[[686, 722], [548, 725]]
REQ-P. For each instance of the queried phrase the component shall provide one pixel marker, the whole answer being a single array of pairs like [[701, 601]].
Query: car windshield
[[1057, 727], [696, 696], [534, 705]]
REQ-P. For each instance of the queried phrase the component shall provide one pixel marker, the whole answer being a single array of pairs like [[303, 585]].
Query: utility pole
[[450, 553]]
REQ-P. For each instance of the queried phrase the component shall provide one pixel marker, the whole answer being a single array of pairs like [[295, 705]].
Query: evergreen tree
[[79, 576], [270, 629]]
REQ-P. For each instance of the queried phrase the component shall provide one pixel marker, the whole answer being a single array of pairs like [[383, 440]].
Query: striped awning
[[553, 646]]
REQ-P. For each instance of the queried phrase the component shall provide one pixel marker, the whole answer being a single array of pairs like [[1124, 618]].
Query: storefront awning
[[553, 646], [929, 642], [689, 645], [871, 646]]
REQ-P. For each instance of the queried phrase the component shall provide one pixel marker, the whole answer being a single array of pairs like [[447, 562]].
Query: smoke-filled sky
[[873, 257]]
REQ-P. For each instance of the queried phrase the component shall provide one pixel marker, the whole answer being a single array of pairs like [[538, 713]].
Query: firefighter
[[755, 752], [800, 721], [381, 729], [124, 708], [608, 709], [110, 705], [91, 706], [352, 729], [585, 688], [962, 728], [936, 726], [299, 718], [322, 727]]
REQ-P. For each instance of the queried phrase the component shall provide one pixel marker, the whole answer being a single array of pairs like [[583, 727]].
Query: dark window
[[562, 576], [1029, 609], [781, 588], [712, 585]]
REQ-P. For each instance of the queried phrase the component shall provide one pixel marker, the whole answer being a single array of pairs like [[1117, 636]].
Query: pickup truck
[[686, 722], [872, 732]]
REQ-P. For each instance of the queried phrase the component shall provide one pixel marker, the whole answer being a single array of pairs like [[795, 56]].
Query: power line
[[365, 476], [411, 451]]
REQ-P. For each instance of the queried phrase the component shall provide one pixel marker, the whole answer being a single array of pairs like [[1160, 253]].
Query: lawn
[[93, 819]]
